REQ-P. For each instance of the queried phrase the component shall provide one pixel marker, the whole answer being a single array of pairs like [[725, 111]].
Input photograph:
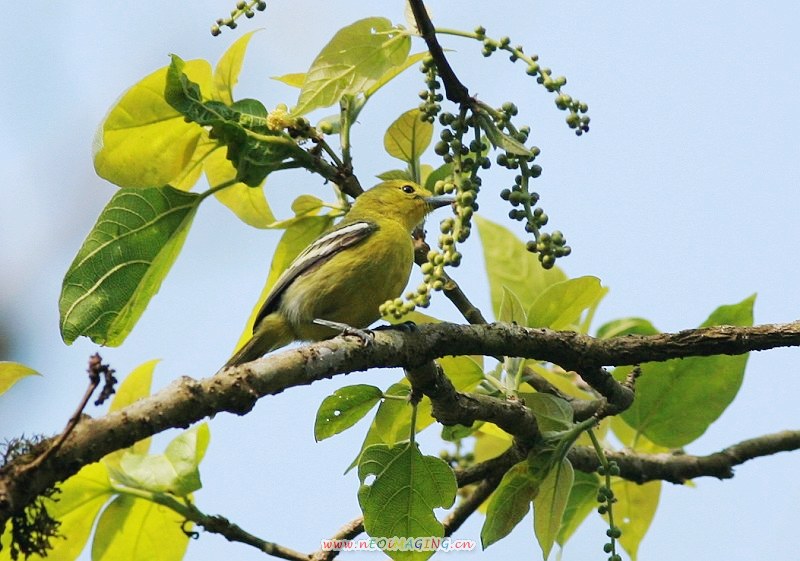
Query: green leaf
[[294, 80], [133, 529], [509, 264], [300, 232], [76, 506], [634, 511], [552, 413], [439, 174], [175, 471], [560, 305], [582, 500], [550, 503], [306, 204], [499, 139], [13, 372], [144, 142], [123, 261], [392, 422], [509, 503], [511, 310], [357, 57], [393, 72], [408, 136], [344, 408], [226, 74], [134, 387], [401, 498], [626, 326], [254, 148], [677, 400]]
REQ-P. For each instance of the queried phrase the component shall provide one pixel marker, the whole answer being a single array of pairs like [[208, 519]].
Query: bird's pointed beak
[[439, 201]]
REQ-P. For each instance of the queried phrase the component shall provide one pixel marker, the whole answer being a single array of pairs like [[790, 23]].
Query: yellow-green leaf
[[144, 142], [560, 305], [294, 79], [634, 511], [123, 261], [509, 264], [408, 136], [511, 310], [582, 501], [135, 386], [248, 203], [509, 503], [134, 529], [353, 61], [13, 372], [226, 74], [550, 503]]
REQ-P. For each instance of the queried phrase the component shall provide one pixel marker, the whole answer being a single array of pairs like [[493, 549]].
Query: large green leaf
[[678, 399], [549, 504], [404, 490], [552, 413], [133, 529], [13, 372], [582, 500], [510, 502], [509, 264], [344, 408], [353, 61], [561, 305], [408, 136], [123, 261]]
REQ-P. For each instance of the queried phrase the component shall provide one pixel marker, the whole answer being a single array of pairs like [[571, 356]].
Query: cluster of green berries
[[577, 118], [606, 498], [431, 96], [242, 9]]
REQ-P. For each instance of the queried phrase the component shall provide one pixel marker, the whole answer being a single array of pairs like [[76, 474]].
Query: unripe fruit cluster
[[242, 9], [431, 97]]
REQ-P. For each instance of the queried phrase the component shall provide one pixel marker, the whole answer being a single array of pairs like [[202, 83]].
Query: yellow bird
[[343, 276]]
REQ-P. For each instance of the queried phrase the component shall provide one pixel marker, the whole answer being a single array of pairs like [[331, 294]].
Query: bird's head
[[399, 199]]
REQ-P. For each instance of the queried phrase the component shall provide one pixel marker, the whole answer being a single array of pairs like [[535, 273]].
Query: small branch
[[95, 370], [346, 532], [470, 312], [454, 89], [679, 468], [469, 505]]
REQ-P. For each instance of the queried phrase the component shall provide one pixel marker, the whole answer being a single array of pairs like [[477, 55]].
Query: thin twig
[[95, 363], [346, 532], [469, 505]]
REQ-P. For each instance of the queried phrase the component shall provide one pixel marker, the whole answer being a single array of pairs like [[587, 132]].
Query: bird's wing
[[317, 253]]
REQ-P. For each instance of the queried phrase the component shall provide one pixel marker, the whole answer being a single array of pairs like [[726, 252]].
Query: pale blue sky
[[682, 197]]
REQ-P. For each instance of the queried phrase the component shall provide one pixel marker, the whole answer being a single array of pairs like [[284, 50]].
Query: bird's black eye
[[407, 189]]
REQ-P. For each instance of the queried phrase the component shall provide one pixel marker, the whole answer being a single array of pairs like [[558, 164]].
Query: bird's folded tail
[[272, 333]]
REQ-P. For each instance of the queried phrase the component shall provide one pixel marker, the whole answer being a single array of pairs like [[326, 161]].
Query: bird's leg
[[366, 336]]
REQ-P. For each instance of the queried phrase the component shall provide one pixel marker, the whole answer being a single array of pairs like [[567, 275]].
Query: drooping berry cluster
[[577, 118], [431, 96], [242, 9], [606, 498]]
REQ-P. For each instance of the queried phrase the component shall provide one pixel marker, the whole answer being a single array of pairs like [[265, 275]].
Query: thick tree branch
[[237, 389]]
